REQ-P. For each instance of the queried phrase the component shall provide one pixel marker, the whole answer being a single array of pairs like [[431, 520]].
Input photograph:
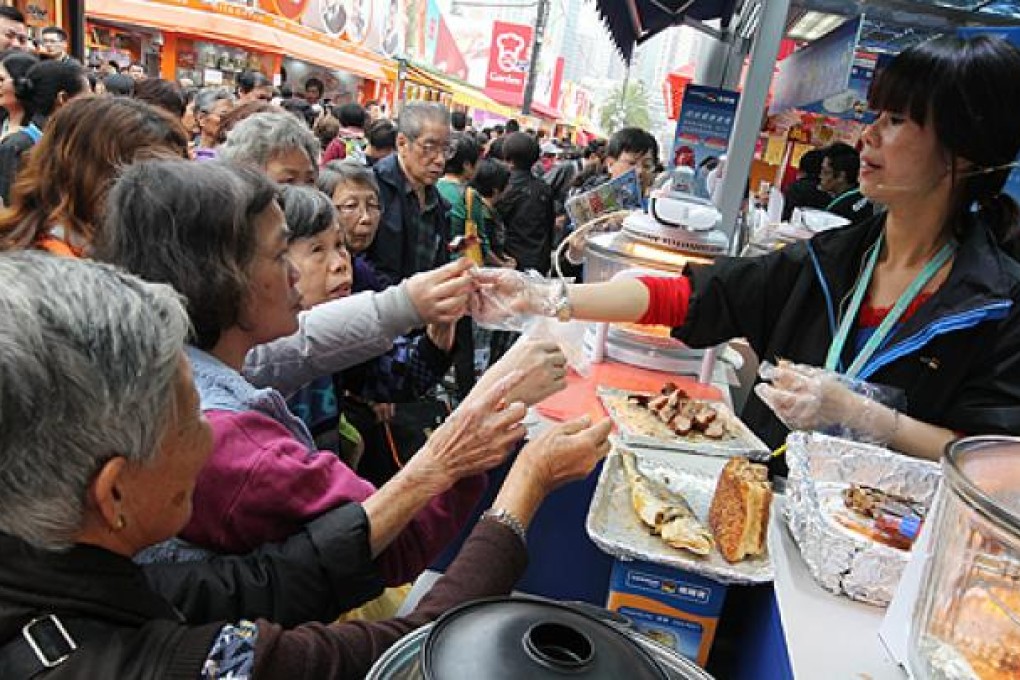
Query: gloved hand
[[813, 399], [505, 299]]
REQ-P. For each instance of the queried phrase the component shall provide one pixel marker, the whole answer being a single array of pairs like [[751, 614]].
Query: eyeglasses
[[349, 208], [14, 36], [433, 149]]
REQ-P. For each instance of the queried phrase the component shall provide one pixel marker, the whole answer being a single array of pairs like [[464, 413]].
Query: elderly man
[[13, 34], [414, 228]]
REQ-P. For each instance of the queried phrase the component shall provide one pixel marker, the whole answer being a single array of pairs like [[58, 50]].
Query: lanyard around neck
[[908, 296]]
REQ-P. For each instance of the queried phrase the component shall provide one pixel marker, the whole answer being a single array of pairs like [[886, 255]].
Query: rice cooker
[[525, 637]]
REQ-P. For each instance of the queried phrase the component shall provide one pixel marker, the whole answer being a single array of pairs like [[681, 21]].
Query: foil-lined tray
[[742, 441], [616, 529], [841, 560]]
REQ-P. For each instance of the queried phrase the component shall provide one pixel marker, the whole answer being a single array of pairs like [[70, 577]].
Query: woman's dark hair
[[308, 211], [38, 90], [70, 170], [490, 178], [163, 94], [119, 84], [352, 115], [18, 63], [382, 134], [969, 90], [520, 150], [249, 80], [465, 152], [190, 225]]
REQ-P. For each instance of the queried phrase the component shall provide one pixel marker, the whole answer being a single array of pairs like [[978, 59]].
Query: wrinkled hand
[[504, 298], [544, 369], [442, 295], [442, 335], [566, 452], [477, 436], [812, 399]]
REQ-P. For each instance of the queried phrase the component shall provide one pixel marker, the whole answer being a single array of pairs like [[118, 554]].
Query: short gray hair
[[207, 98], [87, 372], [335, 173], [415, 115], [258, 139]]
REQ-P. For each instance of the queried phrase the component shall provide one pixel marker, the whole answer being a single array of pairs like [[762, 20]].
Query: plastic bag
[[568, 336], [507, 300]]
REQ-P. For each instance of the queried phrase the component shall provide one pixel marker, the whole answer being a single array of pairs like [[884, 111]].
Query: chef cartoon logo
[[510, 49]]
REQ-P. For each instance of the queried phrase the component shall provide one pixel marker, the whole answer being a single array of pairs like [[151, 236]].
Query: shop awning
[[423, 77], [243, 26], [473, 98], [547, 112], [632, 22]]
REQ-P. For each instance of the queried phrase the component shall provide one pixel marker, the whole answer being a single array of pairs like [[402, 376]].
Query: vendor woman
[[923, 298]]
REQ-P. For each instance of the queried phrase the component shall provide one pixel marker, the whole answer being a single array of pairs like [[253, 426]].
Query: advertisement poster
[[705, 125], [818, 71], [851, 103], [509, 55]]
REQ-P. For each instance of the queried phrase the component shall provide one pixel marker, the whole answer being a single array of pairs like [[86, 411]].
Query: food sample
[[671, 413], [883, 517], [739, 515], [666, 513]]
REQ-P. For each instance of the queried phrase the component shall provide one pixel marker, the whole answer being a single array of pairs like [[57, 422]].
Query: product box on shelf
[[675, 608]]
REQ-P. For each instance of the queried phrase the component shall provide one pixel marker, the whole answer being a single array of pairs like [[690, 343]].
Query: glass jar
[[967, 618]]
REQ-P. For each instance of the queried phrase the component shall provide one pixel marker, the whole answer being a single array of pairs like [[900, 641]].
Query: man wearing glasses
[[414, 229], [13, 33]]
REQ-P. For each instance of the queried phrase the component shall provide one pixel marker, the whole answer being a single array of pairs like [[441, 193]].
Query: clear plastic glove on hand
[[813, 399], [505, 300]]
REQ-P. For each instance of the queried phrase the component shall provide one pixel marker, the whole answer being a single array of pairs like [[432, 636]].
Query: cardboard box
[[675, 608]]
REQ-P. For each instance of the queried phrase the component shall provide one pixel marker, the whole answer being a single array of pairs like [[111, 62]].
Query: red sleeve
[[668, 300], [336, 151]]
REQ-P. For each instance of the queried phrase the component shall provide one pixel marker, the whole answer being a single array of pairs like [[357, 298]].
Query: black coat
[[528, 212], [804, 193], [957, 359]]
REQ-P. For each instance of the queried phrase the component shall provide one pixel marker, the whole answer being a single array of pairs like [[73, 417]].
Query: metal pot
[[534, 638]]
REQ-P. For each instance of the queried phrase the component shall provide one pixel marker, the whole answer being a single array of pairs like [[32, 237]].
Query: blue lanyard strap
[[892, 318]]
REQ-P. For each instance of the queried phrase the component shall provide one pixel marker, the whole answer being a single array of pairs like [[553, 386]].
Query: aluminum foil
[[842, 561], [743, 443], [615, 528]]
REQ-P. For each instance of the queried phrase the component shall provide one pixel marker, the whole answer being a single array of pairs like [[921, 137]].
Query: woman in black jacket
[[46, 87], [102, 442], [924, 298]]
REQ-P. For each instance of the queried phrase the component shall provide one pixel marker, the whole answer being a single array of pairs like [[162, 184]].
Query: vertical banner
[[509, 56], [705, 125]]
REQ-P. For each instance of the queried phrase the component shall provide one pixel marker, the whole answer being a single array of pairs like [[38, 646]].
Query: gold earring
[[120, 524]]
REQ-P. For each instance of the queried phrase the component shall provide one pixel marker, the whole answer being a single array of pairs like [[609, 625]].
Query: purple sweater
[[263, 481]]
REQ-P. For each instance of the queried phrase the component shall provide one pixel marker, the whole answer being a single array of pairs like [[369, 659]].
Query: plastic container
[[967, 617]]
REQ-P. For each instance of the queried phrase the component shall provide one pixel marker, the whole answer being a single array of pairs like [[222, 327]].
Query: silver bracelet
[[507, 519]]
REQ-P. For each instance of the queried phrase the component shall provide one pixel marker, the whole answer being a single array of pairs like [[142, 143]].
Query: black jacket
[[13, 152], [527, 210], [393, 250], [804, 193], [957, 359], [314, 575]]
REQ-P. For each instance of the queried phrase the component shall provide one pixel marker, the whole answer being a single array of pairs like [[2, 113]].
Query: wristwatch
[[563, 310], [506, 518]]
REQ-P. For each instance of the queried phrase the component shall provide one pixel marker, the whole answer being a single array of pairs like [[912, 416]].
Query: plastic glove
[[808, 398], [505, 300]]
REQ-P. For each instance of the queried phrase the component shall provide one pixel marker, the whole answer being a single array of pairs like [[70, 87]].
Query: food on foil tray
[[666, 513], [739, 515], [674, 411], [883, 517]]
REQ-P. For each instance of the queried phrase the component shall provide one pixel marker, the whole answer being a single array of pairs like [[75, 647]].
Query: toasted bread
[[739, 516]]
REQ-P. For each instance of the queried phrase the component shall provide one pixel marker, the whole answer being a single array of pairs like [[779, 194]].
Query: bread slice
[[739, 516]]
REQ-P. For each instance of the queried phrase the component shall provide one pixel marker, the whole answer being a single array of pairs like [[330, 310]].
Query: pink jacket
[[261, 485]]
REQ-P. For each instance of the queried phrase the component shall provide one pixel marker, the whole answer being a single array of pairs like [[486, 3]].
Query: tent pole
[[750, 111]]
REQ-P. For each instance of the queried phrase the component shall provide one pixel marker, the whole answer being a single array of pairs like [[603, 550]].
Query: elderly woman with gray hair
[[211, 105], [278, 143], [83, 488]]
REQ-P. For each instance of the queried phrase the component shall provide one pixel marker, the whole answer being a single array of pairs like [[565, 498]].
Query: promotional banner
[[818, 71], [509, 56], [851, 103], [705, 125]]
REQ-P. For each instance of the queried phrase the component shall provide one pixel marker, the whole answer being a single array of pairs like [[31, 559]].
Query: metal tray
[[615, 528], [843, 561], [742, 443]]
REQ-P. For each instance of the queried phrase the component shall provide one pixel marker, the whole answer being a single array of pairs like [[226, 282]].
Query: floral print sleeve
[[232, 656]]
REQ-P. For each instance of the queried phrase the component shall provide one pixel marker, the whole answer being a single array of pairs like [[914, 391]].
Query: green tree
[[626, 109]]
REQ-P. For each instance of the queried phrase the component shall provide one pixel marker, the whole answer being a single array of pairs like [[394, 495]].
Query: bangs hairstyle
[[308, 211], [190, 225], [969, 91]]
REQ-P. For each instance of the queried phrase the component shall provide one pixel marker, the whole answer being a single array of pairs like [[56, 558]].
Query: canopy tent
[[631, 22]]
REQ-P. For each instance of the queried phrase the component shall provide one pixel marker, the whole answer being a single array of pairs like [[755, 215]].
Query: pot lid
[[525, 638]]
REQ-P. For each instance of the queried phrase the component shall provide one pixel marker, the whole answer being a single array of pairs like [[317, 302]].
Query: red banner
[[509, 54]]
